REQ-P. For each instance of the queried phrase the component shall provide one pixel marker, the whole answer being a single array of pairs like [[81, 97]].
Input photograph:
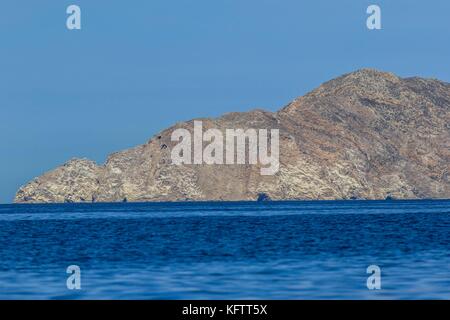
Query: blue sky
[[137, 67]]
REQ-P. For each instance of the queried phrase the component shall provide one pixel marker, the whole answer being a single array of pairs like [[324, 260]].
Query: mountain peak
[[365, 79], [370, 73]]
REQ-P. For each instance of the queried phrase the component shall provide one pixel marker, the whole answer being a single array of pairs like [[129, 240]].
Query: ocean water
[[241, 250]]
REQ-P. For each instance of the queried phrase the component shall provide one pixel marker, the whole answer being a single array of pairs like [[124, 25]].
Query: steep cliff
[[364, 135]]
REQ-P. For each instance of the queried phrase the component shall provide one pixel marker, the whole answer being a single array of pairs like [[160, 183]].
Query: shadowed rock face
[[365, 135]]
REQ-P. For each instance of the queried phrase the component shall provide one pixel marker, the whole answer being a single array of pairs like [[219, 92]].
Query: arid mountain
[[364, 135]]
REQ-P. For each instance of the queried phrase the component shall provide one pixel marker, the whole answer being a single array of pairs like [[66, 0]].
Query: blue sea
[[226, 250]]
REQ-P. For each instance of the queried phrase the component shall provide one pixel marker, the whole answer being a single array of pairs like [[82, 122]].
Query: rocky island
[[364, 135]]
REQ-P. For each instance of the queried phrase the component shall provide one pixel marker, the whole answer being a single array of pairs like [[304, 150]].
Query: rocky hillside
[[364, 135]]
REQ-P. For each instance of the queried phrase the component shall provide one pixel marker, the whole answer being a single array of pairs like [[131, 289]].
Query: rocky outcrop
[[364, 135]]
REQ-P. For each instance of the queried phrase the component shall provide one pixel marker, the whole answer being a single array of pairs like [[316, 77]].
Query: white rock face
[[365, 135]]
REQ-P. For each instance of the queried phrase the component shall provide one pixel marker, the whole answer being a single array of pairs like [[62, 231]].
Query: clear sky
[[137, 67]]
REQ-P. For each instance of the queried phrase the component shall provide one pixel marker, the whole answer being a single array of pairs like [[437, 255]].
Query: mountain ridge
[[364, 135]]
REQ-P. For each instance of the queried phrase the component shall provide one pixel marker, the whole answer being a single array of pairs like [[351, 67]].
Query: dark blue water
[[272, 250]]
